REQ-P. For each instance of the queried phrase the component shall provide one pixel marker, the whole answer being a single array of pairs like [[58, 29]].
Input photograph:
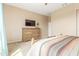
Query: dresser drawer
[[29, 33]]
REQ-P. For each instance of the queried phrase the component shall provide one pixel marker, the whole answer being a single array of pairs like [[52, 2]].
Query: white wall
[[64, 20], [15, 21], [77, 19]]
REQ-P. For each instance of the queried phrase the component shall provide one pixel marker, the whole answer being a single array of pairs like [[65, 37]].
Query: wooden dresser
[[29, 33]]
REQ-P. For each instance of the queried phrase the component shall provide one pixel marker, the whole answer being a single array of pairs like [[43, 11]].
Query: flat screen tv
[[30, 22]]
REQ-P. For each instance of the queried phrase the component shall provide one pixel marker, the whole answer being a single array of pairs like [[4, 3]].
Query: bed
[[63, 45]]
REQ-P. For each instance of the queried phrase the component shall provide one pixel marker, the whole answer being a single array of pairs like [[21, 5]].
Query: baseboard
[[15, 42]]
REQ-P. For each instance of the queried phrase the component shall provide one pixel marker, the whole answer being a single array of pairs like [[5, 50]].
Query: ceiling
[[40, 8]]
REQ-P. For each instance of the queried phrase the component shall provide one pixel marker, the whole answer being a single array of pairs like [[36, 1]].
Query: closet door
[[64, 23]]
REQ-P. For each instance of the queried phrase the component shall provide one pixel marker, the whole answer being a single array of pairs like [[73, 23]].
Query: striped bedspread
[[56, 46]]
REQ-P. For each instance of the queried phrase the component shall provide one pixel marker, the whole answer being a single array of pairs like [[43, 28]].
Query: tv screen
[[29, 23]]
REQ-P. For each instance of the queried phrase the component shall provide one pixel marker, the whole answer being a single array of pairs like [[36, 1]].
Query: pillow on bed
[[59, 35]]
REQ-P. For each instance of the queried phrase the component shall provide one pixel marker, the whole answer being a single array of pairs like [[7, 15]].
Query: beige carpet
[[19, 49]]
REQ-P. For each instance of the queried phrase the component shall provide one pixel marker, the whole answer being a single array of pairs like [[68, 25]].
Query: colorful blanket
[[56, 46]]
